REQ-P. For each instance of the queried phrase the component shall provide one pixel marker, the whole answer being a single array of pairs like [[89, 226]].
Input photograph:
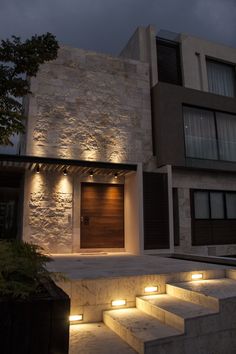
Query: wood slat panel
[[103, 206], [156, 213]]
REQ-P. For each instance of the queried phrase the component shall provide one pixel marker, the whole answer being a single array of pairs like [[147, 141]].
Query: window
[[168, 61], [221, 78], [201, 205], [226, 130], [214, 204], [200, 133], [231, 205], [209, 134], [213, 217]]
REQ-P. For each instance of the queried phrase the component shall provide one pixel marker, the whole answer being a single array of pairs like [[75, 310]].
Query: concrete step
[[142, 332], [206, 293], [96, 338], [172, 310]]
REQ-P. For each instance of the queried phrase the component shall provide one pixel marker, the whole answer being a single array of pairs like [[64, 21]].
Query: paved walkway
[[77, 266]]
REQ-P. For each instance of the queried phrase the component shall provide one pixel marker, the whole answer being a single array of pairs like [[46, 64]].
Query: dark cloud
[[106, 25]]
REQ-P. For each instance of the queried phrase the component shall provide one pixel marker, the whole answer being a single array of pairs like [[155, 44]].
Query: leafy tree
[[18, 61]]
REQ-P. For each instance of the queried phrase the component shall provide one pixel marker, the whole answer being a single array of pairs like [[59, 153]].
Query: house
[[134, 153]]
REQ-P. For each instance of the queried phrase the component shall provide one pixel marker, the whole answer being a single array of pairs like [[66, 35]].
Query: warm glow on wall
[[76, 318], [151, 289], [197, 276], [118, 303], [64, 185]]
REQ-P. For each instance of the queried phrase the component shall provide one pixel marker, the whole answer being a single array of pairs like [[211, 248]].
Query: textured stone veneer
[[90, 106], [186, 180], [48, 222]]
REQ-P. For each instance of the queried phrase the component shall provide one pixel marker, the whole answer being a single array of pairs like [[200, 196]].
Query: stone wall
[[186, 180], [90, 106], [48, 211]]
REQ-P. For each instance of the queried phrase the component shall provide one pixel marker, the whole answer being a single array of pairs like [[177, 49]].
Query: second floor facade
[[193, 90]]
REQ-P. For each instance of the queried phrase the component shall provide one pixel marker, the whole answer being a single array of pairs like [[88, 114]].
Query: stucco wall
[[186, 180], [194, 53], [90, 106]]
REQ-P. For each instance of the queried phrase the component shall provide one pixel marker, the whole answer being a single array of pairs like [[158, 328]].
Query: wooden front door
[[102, 215]]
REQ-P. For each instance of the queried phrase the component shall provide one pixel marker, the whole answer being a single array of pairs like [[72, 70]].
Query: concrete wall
[[90, 106], [194, 53], [142, 46], [185, 180]]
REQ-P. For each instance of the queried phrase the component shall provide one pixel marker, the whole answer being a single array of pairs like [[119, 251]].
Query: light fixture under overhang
[[197, 276], [116, 175], [151, 289], [37, 169], [120, 302], [91, 173], [75, 318], [65, 172]]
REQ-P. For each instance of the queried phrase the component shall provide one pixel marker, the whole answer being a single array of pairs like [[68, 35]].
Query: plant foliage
[[19, 61], [22, 268]]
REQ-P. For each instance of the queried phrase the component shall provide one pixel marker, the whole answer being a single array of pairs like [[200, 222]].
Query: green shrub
[[22, 269]]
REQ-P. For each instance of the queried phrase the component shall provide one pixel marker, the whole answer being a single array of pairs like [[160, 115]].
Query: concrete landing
[[96, 338], [96, 280], [78, 267]]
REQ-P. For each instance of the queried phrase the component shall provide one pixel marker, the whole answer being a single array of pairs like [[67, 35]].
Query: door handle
[[84, 220]]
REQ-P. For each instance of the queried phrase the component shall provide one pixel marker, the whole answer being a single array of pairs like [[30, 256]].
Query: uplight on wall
[[197, 276], [115, 303], [150, 289], [75, 318]]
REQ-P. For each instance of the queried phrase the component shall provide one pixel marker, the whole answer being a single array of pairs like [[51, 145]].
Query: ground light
[[75, 318], [115, 303], [197, 276], [150, 289]]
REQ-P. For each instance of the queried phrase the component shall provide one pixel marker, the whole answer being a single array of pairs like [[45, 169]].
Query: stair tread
[[217, 288], [142, 326], [182, 308], [96, 338]]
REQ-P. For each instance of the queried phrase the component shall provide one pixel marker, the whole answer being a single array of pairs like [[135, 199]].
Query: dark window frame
[[208, 191], [214, 111]]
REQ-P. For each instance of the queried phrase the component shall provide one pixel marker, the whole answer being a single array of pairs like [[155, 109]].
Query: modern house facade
[[134, 153]]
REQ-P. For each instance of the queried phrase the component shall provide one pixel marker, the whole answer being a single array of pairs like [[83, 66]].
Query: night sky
[[106, 25]]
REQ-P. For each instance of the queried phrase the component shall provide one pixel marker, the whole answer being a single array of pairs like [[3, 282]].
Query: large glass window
[[200, 133], [209, 134], [221, 78]]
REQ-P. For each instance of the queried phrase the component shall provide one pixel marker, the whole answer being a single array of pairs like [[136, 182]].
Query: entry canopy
[[31, 163]]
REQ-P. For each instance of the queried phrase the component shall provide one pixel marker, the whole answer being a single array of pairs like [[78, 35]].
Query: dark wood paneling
[[102, 212], [213, 232], [176, 216], [156, 213]]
